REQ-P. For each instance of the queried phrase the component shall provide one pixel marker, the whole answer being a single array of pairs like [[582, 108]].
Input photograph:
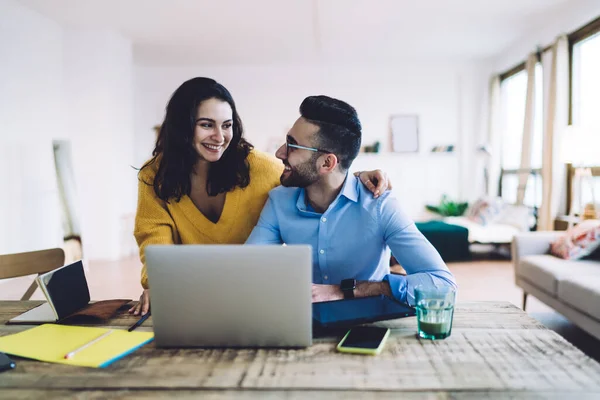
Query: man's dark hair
[[175, 152], [339, 127]]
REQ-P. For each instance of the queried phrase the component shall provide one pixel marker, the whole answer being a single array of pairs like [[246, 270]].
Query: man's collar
[[349, 191], [301, 202]]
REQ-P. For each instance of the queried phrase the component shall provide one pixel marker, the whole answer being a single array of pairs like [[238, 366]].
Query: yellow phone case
[[359, 350]]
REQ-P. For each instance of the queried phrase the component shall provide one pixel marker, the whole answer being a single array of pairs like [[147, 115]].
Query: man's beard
[[302, 175]]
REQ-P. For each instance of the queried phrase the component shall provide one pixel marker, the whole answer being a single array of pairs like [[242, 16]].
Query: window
[[592, 185], [513, 95], [586, 82], [585, 100]]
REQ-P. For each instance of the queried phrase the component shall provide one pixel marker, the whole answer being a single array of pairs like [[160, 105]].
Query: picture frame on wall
[[404, 131]]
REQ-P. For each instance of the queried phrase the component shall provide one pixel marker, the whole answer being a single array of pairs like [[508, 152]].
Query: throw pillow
[[578, 242], [485, 210], [521, 217]]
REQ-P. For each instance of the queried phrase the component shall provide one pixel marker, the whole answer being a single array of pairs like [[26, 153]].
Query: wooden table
[[496, 350]]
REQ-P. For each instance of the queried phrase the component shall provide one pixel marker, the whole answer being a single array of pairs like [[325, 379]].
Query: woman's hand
[[376, 181], [143, 306]]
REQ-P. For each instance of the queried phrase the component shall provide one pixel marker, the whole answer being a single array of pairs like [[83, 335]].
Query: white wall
[[57, 83], [566, 20], [31, 112], [447, 98], [99, 95]]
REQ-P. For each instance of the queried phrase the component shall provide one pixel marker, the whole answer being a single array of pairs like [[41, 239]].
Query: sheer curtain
[[556, 63], [493, 138], [528, 127]]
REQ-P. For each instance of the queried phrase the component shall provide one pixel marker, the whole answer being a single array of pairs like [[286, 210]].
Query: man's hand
[[376, 181], [326, 293], [143, 306]]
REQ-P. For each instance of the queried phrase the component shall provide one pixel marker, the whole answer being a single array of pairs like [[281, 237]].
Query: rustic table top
[[495, 350]]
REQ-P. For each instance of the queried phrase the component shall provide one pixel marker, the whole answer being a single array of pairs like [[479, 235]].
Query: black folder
[[352, 312], [66, 290]]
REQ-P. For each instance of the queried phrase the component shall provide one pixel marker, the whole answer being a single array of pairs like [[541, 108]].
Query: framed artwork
[[404, 130]]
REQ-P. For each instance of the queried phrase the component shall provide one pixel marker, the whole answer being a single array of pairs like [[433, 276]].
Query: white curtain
[[556, 89], [494, 138], [525, 167], [66, 188]]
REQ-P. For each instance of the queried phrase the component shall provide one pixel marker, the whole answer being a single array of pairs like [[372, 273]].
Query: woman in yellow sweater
[[205, 184]]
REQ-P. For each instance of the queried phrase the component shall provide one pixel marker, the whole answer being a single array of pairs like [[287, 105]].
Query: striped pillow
[[578, 242]]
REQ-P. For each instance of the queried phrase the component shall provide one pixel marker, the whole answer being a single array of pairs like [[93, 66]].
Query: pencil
[[139, 322], [71, 354]]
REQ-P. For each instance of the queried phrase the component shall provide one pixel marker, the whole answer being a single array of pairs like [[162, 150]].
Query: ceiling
[[181, 32]]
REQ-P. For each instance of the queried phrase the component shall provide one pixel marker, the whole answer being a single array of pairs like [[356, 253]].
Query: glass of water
[[435, 309]]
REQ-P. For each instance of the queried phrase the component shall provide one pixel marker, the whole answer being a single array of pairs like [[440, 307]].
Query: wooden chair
[[32, 262]]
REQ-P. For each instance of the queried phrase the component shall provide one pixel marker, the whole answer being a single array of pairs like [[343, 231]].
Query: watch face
[[348, 284]]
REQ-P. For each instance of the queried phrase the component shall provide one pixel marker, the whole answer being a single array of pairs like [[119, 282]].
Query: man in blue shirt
[[351, 232]]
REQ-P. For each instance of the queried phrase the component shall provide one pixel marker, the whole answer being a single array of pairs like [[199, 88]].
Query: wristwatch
[[348, 286]]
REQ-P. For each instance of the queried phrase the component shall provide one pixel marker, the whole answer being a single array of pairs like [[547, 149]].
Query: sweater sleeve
[[153, 222]]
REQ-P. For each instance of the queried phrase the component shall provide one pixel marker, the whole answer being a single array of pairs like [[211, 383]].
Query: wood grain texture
[[287, 395], [495, 350], [29, 263]]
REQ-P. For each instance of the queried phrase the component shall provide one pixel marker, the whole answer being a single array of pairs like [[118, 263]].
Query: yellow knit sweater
[[157, 222]]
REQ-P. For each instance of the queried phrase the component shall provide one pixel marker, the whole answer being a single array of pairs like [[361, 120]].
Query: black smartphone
[[6, 363], [364, 340]]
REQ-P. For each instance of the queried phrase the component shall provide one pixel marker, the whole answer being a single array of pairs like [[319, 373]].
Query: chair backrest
[[29, 263]]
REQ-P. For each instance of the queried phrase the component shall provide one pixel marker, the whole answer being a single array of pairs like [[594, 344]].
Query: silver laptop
[[230, 295]]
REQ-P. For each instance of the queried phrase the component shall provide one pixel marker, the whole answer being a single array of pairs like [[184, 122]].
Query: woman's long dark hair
[[174, 149]]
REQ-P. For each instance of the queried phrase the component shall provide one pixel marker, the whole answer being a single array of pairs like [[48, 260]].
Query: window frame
[[516, 171], [579, 35], [513, 71], [504, 76], [574, 38]]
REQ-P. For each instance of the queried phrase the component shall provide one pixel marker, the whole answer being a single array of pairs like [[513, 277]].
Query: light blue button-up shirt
[[353, 238]]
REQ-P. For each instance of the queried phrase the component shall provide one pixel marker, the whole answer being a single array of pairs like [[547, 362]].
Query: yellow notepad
[[52, 342]]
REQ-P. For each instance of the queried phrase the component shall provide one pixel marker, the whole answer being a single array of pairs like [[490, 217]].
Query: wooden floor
[[487, 280]]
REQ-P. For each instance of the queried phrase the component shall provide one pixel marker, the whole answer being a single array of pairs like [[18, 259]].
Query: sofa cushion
[[545, 270], [490, 233], [519, 216], [582, 293]]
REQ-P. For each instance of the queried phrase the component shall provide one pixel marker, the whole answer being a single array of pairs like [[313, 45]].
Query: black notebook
[[66, 289], [68, 295]]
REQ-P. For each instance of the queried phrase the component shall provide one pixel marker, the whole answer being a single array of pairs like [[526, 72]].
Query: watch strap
[[348, 286]]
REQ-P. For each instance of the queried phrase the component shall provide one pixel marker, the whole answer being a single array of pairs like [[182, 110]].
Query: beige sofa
[[570, 287]]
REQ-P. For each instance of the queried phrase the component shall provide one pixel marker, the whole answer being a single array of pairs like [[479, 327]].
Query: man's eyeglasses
[[297, 146]]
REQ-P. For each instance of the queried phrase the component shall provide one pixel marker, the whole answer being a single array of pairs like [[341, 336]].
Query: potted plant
[[449, 208]]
